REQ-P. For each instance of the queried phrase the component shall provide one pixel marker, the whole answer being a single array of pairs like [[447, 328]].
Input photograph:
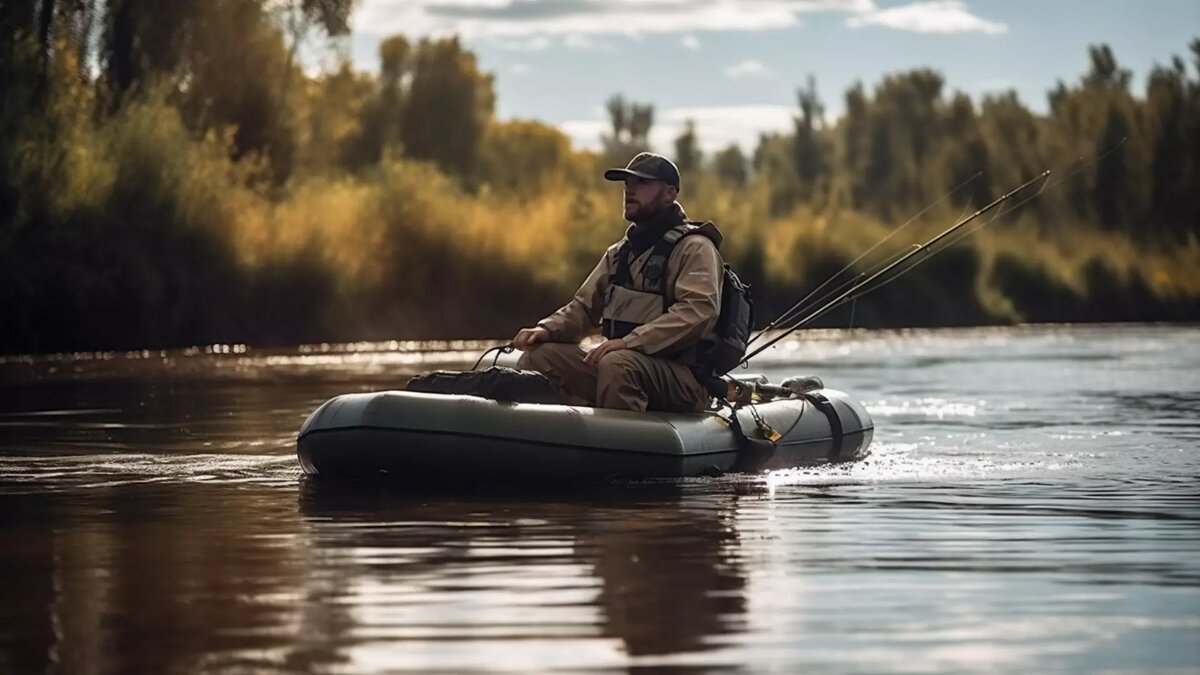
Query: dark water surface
[[1032, 504]]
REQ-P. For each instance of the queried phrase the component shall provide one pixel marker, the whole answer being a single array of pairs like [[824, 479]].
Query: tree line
[[171, 175]]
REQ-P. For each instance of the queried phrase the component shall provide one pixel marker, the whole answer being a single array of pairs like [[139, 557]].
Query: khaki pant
[[624, 379]]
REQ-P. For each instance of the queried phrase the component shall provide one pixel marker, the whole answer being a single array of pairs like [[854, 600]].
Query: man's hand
[[593, 357], [530, 338]]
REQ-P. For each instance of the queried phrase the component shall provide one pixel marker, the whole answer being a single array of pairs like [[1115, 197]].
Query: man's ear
[[671, 192]]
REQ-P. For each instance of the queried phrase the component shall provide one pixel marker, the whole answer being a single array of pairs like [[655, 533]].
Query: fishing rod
[[895, 259], [791, 312], [1048, 185], [857, 291], [1067, 175]]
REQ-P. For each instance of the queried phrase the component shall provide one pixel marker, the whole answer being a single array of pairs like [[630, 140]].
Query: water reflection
[[151, 579], [608, 573], [146, 578], [1024, 514]]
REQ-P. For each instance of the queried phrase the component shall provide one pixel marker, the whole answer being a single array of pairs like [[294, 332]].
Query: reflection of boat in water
[[410, 435], [655, 566]]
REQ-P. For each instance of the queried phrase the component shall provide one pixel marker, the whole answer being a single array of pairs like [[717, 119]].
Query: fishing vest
[[630, 302]]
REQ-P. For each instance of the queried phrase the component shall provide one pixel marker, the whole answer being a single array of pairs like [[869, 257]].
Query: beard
[[635, 211]]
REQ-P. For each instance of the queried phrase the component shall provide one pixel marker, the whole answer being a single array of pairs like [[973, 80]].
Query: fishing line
[[931, 251], [932, 247], [795, 310], [926, 247], [1048, 186], [833, 292]]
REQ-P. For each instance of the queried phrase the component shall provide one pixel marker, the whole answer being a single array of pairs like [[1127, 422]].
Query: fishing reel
[[756, 389]]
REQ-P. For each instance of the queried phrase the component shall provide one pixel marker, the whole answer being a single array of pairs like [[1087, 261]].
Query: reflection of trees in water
[[668, 570], [670, 576], [149, 579], [171, 577]]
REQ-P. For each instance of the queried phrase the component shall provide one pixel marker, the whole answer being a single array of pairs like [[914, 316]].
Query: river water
[[1031, 504]]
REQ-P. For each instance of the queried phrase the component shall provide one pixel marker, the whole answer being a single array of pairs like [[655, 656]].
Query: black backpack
[[734, 325]]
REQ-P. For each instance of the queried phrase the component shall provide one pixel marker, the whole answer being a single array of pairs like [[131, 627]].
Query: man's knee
[[623, 363], [530, 360], [545, 356]]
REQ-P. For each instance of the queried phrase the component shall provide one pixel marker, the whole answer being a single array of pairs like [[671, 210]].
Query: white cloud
[[535, 43], [519, 68], [473, 19], [583, 42], [746, 67], [932, 16], [585, 133], [533, 25], [716, 126]]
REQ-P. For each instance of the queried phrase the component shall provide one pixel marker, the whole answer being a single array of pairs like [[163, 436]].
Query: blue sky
[[734, 65]]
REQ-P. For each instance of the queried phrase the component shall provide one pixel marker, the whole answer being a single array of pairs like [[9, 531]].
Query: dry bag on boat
[[498, 383]]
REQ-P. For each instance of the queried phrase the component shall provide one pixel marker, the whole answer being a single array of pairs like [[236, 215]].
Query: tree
[[687, 150], [810, 147], [855, 143], [522, 157], [963, 154], [447, 108], [730, 167], [300, 17], [773, 165], [337, 124], [382, 114], [630, 123]]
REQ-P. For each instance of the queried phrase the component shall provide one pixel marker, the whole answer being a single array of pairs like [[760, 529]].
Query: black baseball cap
[[649, 166]]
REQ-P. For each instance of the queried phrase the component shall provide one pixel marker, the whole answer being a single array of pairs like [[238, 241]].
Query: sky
[[733, 66]]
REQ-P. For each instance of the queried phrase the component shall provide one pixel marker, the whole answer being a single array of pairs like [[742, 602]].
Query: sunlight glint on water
[[1029, 505]]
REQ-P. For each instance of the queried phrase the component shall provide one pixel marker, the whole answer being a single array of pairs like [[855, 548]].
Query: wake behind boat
[[413, 436]]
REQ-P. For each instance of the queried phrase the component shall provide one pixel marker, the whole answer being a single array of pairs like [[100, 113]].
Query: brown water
[[1032, 504]]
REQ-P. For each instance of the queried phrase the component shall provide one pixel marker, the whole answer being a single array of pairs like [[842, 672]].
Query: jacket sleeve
[[697, 292], [581, 316]]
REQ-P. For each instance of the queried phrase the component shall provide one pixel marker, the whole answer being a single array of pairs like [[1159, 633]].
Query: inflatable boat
[[414, 436]]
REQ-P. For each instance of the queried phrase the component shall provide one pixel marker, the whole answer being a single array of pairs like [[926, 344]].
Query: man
[[656, 293]]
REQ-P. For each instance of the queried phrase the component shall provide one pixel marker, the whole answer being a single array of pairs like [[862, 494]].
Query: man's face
[[645, 197]]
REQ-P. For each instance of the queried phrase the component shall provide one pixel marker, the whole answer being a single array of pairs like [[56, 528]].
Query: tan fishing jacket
[[693, 285]]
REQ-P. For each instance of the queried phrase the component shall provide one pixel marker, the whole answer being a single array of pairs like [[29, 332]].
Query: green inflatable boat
[[416, 436]]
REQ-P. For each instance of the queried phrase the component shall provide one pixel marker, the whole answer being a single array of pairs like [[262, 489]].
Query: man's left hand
[[593, 357]]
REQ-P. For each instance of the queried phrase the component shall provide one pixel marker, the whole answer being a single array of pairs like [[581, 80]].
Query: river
[[1031, 504]]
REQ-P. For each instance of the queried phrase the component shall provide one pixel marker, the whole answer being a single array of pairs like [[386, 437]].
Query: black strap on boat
[[823, 404]]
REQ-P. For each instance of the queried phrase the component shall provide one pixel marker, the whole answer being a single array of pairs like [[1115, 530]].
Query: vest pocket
[[630, 306]]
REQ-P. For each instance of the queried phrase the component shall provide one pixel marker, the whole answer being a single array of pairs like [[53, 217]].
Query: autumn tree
[[524, 157]]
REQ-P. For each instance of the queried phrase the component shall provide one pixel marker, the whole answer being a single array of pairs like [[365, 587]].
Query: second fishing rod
[[864, 286]]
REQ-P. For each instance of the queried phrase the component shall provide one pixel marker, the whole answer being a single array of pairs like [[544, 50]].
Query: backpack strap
[[621, 275]]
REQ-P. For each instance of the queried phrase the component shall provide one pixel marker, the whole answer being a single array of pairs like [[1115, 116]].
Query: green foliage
[[198, 187], [446, 108]]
